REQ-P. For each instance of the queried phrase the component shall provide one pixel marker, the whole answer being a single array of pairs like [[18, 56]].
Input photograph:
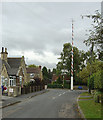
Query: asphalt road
[[57, 103]]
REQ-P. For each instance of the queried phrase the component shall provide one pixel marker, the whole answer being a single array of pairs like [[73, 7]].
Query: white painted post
[[72, 59]]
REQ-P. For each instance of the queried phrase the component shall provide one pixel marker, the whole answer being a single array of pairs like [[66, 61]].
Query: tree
[[91, 82], [45, 75], [59, 81], [96, 34], [84, 74], [65, 60], [54, 71], [32, 65], [49, 74], [98, 80]]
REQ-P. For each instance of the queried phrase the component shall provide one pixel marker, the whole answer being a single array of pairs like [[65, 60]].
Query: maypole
[[72, 58]]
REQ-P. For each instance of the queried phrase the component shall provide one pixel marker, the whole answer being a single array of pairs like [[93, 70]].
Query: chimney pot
[[5, 49], [2, 49], [40, 66]]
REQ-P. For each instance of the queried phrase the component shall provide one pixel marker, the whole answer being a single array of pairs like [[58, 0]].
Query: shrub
[[97, 96], [91, 82], [98, 80], [59, 81], [58, 86], [67, 86]]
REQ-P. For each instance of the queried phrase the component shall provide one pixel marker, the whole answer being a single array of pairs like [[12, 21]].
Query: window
[[6, 82], [12, 81], [2, 80], [32, 75], [20, 80]]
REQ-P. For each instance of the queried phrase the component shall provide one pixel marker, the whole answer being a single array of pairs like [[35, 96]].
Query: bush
[[67, 86], [97, 96], [98, 80], [55, 86], [91, 82], [59, 81], [58, 86]]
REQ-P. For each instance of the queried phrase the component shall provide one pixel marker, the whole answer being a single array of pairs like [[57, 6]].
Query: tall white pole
[[72, 58]]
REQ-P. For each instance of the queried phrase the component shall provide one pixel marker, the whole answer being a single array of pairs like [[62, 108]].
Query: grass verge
[[89, 107], [85, 94], [86, 98]]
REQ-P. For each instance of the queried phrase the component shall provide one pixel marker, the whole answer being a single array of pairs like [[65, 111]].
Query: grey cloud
[[41, 27], [47, 64]]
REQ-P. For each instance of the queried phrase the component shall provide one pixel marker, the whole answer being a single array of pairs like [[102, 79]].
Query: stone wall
[[14, 91], [4, 73]]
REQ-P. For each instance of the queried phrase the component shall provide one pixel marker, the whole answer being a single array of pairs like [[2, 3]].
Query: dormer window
[[32, 75]]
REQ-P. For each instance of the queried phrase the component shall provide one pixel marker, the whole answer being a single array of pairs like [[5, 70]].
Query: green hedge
[[58, 86], [67, 86], [55, 86]]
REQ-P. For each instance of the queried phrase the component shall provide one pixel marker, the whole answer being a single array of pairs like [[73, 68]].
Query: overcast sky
[[39, 30]]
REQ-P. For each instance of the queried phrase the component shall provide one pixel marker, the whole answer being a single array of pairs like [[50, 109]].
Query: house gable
[[4, 72]]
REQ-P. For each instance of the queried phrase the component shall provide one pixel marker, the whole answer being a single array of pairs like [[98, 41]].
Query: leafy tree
[[98, 80], [96, 34], [84, 74], [49, 74], [91, 82], [65, 60], [32, 65], [54, 71], [45, 72], [45, 75], [59, 81]]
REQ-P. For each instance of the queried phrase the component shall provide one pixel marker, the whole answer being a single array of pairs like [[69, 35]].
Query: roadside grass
[[85, 94], [89, 107], [85, 97]]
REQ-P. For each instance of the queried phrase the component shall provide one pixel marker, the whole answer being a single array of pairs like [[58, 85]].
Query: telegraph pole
[[72, 57]]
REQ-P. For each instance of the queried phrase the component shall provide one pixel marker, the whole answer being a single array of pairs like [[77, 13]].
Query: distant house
[[12, 70], [34, 73], [55, 77]]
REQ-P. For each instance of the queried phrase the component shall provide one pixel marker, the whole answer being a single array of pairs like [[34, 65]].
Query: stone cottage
[[13, 73], [35, 74]]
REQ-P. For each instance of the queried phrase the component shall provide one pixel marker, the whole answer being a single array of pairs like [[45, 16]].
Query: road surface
[[57, 103]]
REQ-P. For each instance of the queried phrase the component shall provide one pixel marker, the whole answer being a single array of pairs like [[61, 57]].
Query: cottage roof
[[13, 71], [35, 70], [12, 65], [55, 77], [14, 62]]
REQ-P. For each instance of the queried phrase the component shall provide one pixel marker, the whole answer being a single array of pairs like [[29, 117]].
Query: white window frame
[[6, 82], [20, 80], [12, 81], [32, 75], [2, 80]]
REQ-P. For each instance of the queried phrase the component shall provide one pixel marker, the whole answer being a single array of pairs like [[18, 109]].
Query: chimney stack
[[6, 50], [2, 49], [40, 67], [4, 54]]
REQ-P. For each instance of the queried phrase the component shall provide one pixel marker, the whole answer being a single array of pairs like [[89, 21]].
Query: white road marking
[[53, 98], [64, 93], [60, 94]]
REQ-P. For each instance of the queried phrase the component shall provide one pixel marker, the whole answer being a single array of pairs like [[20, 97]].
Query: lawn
[[85, 94], [85, 97], [90, 108]]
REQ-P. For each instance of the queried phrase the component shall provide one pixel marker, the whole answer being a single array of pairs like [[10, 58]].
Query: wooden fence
[[30, 89]]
